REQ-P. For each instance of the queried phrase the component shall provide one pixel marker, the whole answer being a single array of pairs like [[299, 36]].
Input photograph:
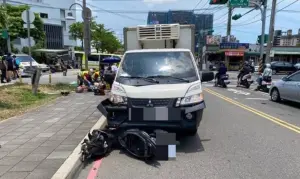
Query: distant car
[[278, 67], [25, 64], [287, 88]]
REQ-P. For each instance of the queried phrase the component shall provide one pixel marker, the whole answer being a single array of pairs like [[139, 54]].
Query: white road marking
[[238, 91]]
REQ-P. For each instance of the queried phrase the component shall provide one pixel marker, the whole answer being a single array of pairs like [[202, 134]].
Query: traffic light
[[212, 2], [265, 39], [236, 17]]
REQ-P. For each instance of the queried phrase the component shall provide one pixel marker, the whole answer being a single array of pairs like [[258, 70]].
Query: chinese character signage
[[235, 54], [241, 46]]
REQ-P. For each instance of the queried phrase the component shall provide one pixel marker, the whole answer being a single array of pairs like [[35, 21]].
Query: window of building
[[71, 37], [63, 24], [62, 13], [44, 15]]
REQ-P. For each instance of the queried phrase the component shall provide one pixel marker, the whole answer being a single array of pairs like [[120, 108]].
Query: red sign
[[236, 54]]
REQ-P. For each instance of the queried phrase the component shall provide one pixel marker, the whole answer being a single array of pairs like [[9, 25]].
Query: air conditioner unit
[[158, 32]]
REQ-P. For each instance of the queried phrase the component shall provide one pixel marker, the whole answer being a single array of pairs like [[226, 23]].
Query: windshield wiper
[[166, 76], [140, 77]]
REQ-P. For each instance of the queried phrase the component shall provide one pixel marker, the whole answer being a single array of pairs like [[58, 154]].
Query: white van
[[157, 89]]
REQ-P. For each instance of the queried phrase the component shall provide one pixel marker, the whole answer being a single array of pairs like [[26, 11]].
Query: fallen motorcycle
[[246, 81]]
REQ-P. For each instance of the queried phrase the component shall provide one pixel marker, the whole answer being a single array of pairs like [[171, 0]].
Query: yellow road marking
[[255, 111]]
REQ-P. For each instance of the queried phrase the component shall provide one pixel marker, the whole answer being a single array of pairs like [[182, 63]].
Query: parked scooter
[[246, 81], [222, 81], [265, 85]]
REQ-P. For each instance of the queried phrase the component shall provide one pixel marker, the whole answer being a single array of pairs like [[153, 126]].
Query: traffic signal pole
[[263, 19], [8, 37], [271, 31]]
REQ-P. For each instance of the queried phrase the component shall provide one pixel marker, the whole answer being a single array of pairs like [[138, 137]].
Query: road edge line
[[73, 163]]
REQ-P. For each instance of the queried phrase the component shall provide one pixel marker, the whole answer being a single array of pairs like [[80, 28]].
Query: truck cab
[[157, 88]]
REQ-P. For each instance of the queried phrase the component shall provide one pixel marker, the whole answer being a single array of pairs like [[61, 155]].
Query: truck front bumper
[[186, 118]]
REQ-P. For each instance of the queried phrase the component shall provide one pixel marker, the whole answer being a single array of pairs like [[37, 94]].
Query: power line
[[197, 4], [268, 15], [260, 14]]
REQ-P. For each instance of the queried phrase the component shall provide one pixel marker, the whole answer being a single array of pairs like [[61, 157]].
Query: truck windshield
[[151, 64]]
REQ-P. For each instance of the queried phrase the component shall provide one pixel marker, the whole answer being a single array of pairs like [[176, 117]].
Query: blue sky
[[245, 33]]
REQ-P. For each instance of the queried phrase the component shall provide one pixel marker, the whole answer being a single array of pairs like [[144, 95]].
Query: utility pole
[[262, 42], [271, 31], [229, 20], [199, 49], [86, 33], [28, 36], [8, 37]]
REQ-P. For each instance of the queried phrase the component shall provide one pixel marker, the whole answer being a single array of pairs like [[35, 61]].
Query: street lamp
[[86, 16]]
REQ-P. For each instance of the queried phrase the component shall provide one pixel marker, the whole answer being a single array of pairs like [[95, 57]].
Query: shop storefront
[[234, 59]]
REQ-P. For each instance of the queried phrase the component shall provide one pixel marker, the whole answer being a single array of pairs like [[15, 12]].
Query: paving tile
[[30, 145], [23, 129], [71, 142], [65, 148], [20, 152], [35, 157], [41, 174], [14, 133], [53, 143], [38, 139], [58, 138], [24, 167], [3, 154], [46, 134], [4, 169], [7, 138], [43, 150], [51, 164], [17, 142], [7, 161], [15, 175], [59, 155], [9, 148]]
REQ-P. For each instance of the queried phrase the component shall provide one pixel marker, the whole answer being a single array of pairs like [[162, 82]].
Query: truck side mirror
[[207, 76]]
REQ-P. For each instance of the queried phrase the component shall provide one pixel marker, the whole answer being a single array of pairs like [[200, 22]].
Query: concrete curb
[[73, 164]]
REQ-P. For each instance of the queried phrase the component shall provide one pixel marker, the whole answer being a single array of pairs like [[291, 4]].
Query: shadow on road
[[291, 104], [191, 144]]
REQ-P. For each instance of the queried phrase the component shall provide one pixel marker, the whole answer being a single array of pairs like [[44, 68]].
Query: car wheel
[[192, 132], [275, 96]]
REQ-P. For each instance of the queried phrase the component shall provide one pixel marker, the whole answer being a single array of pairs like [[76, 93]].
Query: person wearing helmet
[[246, 69], [222, 71], [267, 74]]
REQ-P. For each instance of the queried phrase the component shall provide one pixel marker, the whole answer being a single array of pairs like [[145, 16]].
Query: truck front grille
[[154, 102]]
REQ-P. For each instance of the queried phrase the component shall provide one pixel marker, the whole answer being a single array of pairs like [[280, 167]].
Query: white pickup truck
[[158, 85]]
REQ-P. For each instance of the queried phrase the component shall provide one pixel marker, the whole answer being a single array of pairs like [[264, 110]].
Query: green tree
[[13, 19], [108, 40]]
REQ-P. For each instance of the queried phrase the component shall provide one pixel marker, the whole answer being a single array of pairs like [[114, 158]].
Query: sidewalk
[[37, 143]]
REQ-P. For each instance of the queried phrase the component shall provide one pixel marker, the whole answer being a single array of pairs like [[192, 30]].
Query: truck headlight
[[118, 94], [193, 95], [117, 99], [196, 98]]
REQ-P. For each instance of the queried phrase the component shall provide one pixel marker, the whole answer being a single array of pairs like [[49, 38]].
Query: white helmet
[[91, 70], [268, 65]]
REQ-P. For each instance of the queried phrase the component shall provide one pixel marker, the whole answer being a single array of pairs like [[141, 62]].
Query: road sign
[[31, 26], [88, 13], [239, 3], [4, 33], [234, 46], [31, 16]]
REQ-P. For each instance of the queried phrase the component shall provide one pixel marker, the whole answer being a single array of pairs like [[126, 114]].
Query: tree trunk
[[82, 44]]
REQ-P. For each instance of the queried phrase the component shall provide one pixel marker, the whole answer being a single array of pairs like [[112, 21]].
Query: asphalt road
[[242, 135]]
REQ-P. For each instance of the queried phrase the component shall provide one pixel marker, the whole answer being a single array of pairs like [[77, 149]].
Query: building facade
[[157, 18], [56, 26], [286, 39]]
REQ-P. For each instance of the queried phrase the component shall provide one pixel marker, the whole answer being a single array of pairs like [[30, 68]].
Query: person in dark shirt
[[10, 66], [222, 71], [3, 67]]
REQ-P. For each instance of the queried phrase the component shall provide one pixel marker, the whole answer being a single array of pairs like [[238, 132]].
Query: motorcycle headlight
[[196, 98]]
